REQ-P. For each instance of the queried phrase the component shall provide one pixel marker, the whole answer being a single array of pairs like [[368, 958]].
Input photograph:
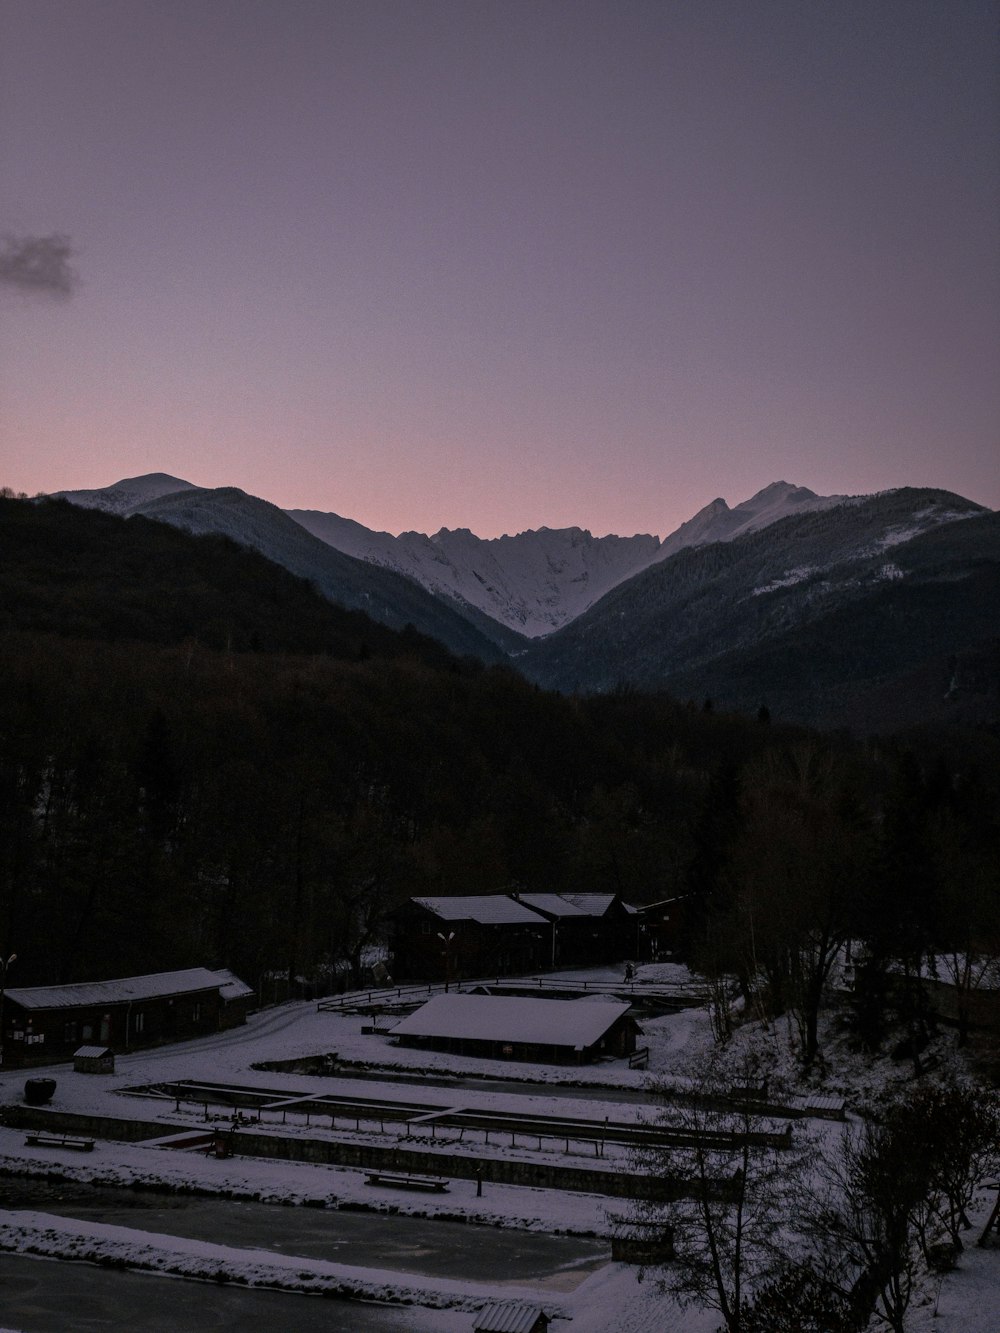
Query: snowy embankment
[[130, 1166], [43, 1234]]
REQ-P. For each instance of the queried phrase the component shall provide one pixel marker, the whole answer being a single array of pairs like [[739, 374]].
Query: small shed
[[511, 1317], [94, 1060], [237, 997]]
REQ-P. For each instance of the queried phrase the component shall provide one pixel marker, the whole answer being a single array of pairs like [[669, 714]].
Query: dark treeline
[[168, 806], [806, 855], [164, 807], [176, 802]]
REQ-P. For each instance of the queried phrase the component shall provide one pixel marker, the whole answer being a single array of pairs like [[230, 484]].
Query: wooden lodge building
[[44, 1023], [660, 928], [587, 929], [505, 934], [503, 1027]]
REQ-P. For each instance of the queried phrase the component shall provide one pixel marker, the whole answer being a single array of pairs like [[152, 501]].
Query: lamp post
[[446, 941], [4, 964]]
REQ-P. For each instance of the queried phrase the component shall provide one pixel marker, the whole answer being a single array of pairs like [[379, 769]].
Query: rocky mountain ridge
[[532, 583]]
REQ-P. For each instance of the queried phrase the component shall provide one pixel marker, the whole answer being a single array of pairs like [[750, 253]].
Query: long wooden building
[[50, 1022]]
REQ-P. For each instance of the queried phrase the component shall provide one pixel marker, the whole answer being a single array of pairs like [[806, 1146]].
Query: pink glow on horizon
[[473, 264]]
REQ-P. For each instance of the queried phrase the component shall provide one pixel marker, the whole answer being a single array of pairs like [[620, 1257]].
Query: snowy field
[[610, 1300]]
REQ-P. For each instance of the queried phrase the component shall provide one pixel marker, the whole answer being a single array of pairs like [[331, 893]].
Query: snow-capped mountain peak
[[128, 495], [717, 522]]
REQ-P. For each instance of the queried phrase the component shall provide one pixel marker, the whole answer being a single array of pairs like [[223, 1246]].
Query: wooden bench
[[407, 1180], [43, 1140]]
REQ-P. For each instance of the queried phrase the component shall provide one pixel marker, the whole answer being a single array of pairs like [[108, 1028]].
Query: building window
[[138, 1022], [88, 1032], [196, 1012], [69, 1034]]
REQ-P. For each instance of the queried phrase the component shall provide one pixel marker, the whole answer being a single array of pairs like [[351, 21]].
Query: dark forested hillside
[[88, 574], [172, 793]]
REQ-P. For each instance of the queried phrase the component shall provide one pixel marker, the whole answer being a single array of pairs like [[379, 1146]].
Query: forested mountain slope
[[526, 584], [89, 574], [808, 615], [384, 594]]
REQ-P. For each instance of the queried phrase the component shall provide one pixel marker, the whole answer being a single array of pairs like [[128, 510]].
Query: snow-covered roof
[[507, 1317], [231, 987], [593, 904], [573, 1023], [487, 909], [92, 1052], [155, 986], [553, 904]]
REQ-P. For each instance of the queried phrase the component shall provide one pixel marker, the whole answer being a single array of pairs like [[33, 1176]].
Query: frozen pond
[[40, 1295], [405, 1244]]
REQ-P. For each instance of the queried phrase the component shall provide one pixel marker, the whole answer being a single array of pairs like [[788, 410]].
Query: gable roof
[[230, 985], [486, 909], [662, 902], [574, 1023], [593, 904], [509, 1317], [158, 985], [552, 904]]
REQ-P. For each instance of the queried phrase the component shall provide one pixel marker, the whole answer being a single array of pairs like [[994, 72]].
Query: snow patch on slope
[[924, 520], [787, 580]]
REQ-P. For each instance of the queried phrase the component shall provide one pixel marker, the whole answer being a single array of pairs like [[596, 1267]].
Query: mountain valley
[[813, 607]]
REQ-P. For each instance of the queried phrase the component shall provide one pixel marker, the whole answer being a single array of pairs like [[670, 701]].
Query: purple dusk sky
[[502, 263]]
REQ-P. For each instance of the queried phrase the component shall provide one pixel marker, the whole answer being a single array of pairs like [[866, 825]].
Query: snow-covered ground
[[612, 1300]]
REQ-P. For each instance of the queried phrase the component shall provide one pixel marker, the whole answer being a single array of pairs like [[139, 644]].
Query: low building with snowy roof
[[501, 934], [503, 1027], [588, 929], [510, 1317], [43, 1023], [466, 935], [94, 1060]]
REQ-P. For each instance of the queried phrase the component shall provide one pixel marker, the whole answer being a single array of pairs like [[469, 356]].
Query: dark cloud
[[38, 264]]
